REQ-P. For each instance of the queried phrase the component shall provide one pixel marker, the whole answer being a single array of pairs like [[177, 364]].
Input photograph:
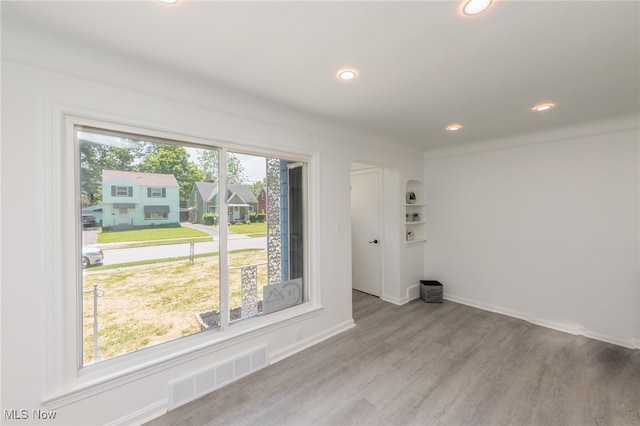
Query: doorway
[[366, 229], [123, 216]]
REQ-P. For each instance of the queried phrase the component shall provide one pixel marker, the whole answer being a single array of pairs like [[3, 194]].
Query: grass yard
[[252, 230], [153, 234], [150, 304]]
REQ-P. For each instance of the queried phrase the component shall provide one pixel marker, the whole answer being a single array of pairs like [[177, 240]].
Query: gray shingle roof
[[206, 189], [209, 190]]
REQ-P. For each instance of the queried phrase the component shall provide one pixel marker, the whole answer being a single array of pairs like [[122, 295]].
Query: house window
[[151, 216], [180, 285], [156, 192], [121, 191], [156, 212]]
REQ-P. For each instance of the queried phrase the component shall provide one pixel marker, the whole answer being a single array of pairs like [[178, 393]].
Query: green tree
[[208, 162], [257, 186], [95, 157], [174, 160]]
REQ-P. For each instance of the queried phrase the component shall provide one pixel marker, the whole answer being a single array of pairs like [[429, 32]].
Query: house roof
[[209, 190], [206, 189], [141, 179], [243, 192]]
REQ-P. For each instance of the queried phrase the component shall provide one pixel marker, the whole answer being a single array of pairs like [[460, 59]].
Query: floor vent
[[190, 388]]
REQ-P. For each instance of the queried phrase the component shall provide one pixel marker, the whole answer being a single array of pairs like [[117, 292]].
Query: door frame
[[381, 229]]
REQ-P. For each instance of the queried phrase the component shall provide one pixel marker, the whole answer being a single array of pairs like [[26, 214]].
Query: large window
[[154, 270]]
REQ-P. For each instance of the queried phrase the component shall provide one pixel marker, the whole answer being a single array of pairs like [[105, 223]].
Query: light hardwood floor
[[433, 364]]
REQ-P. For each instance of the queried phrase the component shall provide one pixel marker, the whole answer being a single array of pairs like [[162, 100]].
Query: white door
[[365, 231], [123, 216]]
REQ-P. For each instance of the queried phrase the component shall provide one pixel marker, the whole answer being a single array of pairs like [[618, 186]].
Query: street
[[124, 255], [135, 254]]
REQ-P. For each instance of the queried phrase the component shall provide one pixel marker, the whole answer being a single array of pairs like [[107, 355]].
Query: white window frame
[[156, 192], [66, 381], [119, 191]]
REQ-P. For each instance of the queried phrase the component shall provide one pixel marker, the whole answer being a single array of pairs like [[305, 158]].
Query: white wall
[[542, 227], [42, 75]]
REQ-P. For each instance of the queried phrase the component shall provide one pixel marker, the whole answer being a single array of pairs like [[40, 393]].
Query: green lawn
[[252, 229], [152, 234], [143, 305]]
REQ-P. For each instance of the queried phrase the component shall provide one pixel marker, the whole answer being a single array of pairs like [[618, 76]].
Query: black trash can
[[431, 291]]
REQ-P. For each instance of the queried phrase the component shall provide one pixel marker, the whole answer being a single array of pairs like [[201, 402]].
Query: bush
[[209, 219], [253, 217], [260, 217]]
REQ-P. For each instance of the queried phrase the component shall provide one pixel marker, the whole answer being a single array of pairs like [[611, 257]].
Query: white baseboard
[[143, 415], [613, 340], [413, 293], [565, 328], [307, 342], [395, 300], [488, 307]]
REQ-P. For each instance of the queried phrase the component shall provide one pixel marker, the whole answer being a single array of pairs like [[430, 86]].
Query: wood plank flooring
[[433, 364]]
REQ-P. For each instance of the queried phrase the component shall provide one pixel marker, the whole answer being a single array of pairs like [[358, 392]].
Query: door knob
[[373, 242]]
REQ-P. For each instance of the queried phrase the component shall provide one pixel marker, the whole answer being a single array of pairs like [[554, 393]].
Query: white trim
[[306, 343], [564, 328], [143, 415], [489, 307], [610, 126], [312, 267], [223, 220], [395, 300], [203, 346], [66, 382]]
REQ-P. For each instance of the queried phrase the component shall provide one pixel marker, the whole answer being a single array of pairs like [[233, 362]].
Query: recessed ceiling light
[[168, 1], [474, 7], [543, 107], [454, 127], [347, 74]]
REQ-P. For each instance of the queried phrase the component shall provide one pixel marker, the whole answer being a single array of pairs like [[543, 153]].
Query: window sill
[[109, 375]]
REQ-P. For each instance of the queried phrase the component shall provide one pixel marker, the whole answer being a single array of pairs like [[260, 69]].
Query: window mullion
[[223, 219]]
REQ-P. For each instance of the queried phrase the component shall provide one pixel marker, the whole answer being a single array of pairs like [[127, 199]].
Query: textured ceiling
[[422, 66]]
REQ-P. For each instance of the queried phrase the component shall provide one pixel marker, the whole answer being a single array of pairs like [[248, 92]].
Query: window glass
[[267, 275], [148, 272], [150, 239]]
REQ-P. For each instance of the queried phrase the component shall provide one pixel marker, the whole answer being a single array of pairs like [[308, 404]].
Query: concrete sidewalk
[[214, 231]]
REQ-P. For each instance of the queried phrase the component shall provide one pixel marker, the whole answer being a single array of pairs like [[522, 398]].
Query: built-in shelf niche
[[414, 219]]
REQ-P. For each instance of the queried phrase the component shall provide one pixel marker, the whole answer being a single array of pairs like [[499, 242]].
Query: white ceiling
[[422, 66]]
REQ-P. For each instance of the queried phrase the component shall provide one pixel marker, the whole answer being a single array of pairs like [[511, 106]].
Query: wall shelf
[[414, 209]]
